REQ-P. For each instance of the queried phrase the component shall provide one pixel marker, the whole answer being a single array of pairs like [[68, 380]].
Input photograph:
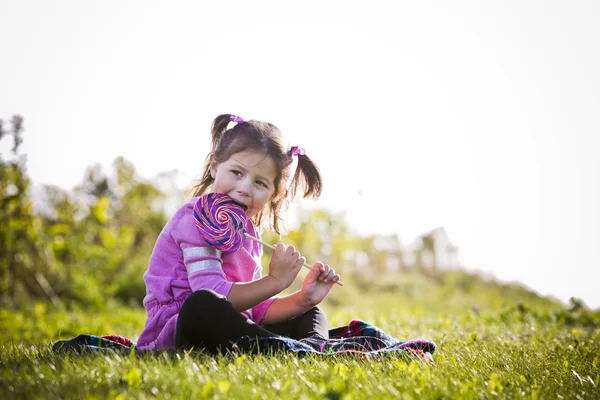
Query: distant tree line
[[91, 245]]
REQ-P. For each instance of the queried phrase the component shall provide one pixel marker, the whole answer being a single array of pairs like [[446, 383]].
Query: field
[[493, 341]]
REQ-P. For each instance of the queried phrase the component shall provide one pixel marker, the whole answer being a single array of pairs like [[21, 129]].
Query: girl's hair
[[265, 138]]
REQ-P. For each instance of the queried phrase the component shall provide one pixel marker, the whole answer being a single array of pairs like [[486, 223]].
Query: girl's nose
[[244, 189]]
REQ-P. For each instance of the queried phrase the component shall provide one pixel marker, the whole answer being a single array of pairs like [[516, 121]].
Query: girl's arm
[[315, 288], [285, 264], [203, 264], [287, 307], [245, 295]]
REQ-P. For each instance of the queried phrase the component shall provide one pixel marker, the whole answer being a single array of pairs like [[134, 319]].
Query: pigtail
[[219, 126], [310, 180], [218, 129]]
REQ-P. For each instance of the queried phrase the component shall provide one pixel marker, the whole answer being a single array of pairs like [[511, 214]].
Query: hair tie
[[296, 151], [236, 119]]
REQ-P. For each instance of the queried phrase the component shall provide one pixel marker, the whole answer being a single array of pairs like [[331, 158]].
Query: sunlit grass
[[512, 347]]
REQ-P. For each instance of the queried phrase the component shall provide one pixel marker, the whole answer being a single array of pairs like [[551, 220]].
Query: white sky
[[481, 117]]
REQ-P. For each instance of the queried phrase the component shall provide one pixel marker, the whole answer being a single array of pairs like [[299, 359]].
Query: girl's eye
[[236, 172], [261, 183]]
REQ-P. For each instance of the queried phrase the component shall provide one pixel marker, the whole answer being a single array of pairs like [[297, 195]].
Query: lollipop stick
[[273, 248]]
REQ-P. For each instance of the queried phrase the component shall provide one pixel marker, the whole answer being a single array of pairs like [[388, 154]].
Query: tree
[[21, 268], [83, 246]]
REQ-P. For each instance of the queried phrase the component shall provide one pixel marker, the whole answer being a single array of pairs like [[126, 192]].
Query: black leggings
[[208, 321]]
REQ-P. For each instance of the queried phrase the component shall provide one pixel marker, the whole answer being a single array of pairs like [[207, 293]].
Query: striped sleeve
[[202, 261], [200, 258]]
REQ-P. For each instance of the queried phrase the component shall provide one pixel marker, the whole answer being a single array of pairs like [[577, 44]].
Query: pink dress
[[182, 262]]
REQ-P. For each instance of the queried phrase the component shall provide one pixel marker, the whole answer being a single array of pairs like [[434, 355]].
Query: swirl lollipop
[[222, 223]]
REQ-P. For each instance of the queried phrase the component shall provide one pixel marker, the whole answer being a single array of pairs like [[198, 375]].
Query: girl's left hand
[[318, 283]]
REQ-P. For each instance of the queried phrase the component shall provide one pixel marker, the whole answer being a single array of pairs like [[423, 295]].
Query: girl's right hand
[[285, 264]]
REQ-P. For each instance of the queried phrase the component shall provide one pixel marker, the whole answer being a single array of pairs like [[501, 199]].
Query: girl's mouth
[[244, 207]]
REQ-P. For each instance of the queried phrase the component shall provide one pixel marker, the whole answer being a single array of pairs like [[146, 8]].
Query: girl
[[197, 296]]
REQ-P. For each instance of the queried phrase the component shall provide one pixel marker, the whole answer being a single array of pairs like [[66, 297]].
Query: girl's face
[[247, 177]]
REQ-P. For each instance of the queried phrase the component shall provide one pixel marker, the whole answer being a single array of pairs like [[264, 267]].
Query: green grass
[[493, 341]]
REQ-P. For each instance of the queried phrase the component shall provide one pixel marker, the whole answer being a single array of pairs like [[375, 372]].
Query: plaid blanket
[[358, 338], [84, 342]]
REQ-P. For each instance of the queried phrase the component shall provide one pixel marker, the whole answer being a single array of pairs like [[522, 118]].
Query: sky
[[481, 117]]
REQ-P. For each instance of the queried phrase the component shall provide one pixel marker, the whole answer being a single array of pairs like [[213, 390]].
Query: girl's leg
[[311, 323], [208, 321]]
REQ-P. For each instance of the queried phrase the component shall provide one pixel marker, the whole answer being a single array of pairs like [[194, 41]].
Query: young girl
[[198, 297]]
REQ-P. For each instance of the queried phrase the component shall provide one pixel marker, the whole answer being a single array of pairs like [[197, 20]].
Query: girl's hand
[[318, 283], [285, 264]]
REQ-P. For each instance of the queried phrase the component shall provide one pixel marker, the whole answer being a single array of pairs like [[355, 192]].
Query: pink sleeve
[[202, 261], [259, 310]]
